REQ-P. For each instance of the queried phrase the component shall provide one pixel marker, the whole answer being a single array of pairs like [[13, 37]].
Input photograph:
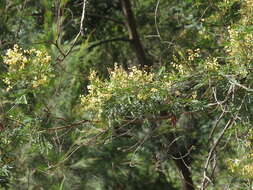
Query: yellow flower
[[154, 90], [19, 60], [142, 96]]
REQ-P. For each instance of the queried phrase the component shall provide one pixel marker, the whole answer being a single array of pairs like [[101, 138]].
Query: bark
[[187, 183], [133, 33]]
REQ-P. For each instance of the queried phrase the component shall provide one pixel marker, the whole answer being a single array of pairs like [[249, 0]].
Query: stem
[[133, 34]]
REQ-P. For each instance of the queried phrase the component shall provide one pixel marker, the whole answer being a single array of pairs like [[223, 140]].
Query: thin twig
[[233, 81], [215, 125], [229, 123], [72, 46], [82, 19], [68, 126], [71, 152], [156, 25], [81, 31]]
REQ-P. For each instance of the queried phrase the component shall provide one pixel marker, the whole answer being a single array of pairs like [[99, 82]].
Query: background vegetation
[[120, 94]]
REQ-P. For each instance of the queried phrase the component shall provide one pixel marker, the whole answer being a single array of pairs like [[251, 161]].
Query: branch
[[133, 34], [229, 123], [81, 32], [233, 81], [156, 24], [82, 19], [73, 125], [126, 122]]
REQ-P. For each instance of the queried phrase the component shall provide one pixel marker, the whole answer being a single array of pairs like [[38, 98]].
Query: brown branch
[[151, 119], [59, 49], [73, 125], [186, 174], [133, 34], [126, 122], [182, 162]]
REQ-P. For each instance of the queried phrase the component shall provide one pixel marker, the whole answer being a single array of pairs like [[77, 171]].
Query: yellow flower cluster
[[181, 68], [15, 58], [240, 48], [132, 85], [39, 82], [243, 167], [134, 75], [211, 64], [247, 170], [246, 11], [233, 165], [27, 67], [240, 168], [186, 65], [193, 54]]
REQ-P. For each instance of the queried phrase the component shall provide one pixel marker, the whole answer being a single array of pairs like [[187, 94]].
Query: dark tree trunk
[[133, 34], [187, 183]]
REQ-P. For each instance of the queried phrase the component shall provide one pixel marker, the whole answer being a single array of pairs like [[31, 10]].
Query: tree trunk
[[187, 183], [133, 34]]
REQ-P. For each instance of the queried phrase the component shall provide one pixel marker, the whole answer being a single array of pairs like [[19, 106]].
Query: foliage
[[79, 112]]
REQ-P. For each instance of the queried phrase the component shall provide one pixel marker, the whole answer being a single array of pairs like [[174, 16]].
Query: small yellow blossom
[[39, 82], [192, 55], [142, 96], [211, 64], [154, 90]]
